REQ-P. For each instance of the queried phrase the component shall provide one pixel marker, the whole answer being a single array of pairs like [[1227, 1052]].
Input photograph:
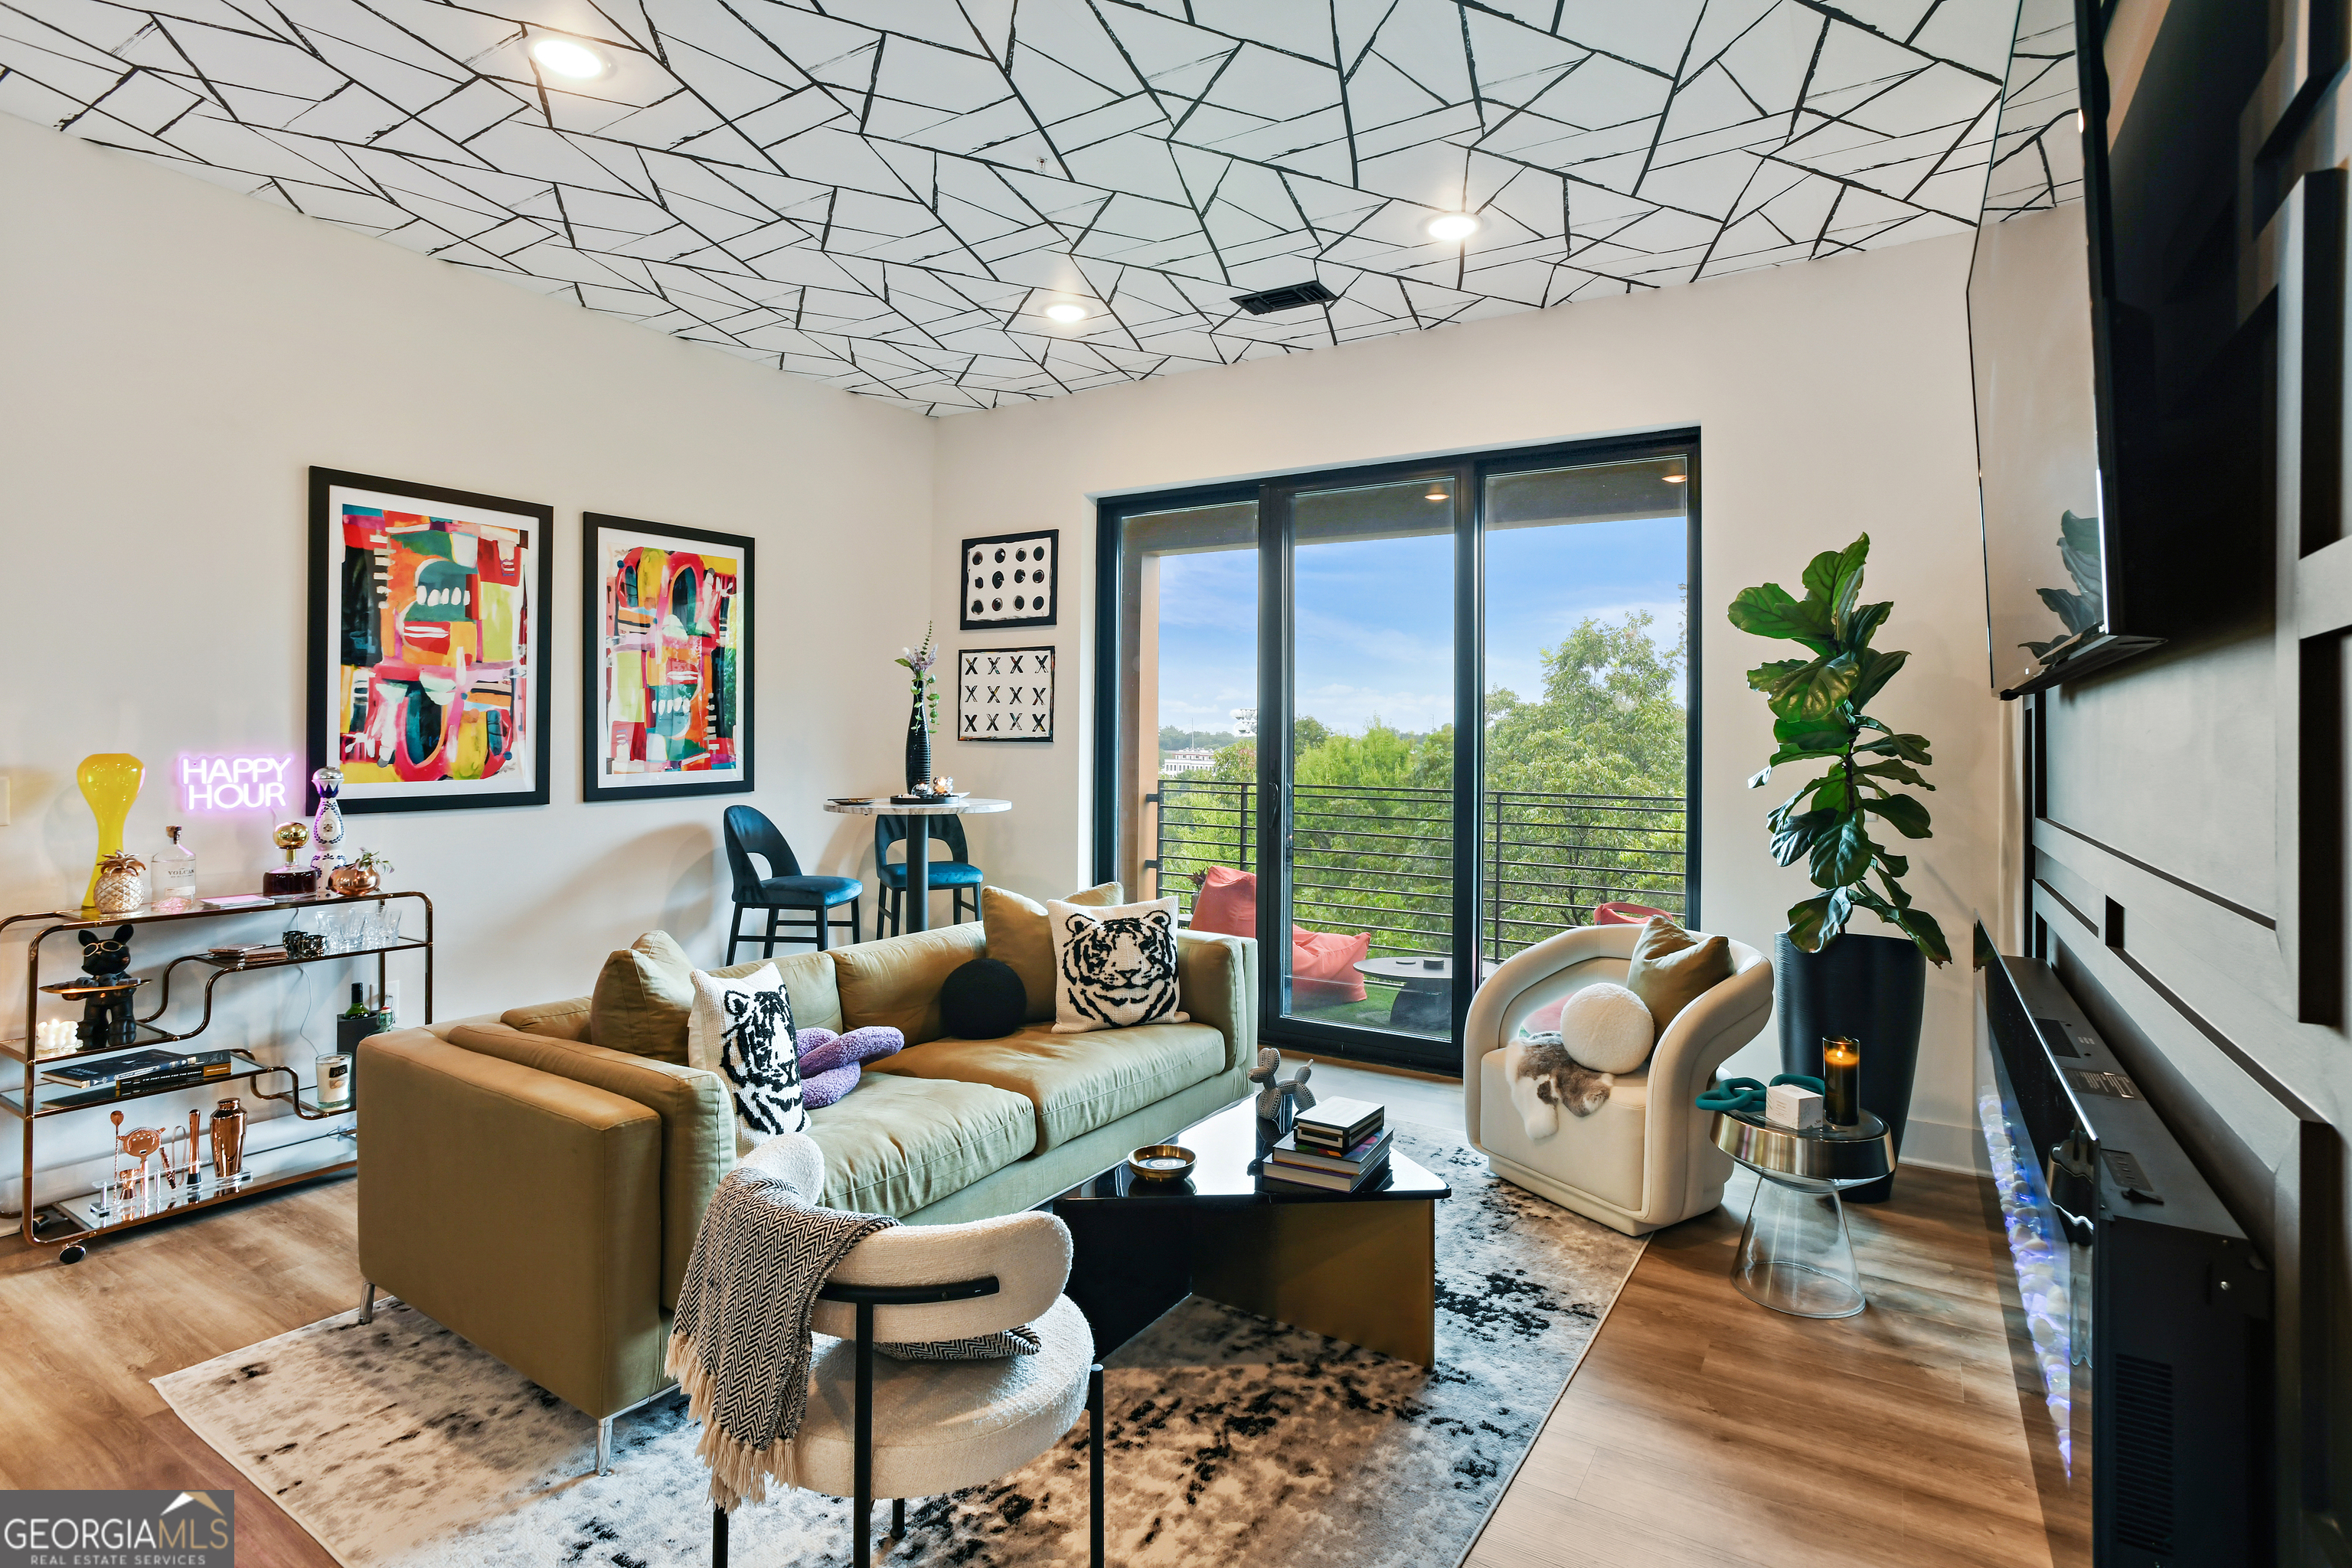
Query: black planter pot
[[1872, 989]]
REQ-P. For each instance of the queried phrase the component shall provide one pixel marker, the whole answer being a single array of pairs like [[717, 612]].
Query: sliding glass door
[[1279, 745], [1362, 854]]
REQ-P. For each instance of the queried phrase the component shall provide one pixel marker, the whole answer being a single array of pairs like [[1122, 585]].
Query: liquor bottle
[[359, 1008], [174, 871]]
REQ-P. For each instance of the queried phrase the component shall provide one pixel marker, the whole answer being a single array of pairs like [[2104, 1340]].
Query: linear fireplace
[[2142, 1334]]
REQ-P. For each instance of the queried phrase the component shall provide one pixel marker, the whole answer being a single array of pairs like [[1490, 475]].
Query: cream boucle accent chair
[[1643, 1160], [878, 1427]]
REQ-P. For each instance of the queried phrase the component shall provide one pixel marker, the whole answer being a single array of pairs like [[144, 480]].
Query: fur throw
[[1544, 1077]]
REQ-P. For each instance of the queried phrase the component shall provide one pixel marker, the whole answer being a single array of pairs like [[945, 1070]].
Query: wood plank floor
[[1700, 1429], [85, 1340]]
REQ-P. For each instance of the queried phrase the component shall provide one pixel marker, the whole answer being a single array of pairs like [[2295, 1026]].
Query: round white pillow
[[1607, 1028]]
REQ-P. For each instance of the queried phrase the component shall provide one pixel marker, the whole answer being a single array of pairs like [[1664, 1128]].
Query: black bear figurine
[[106, 957], [106, 1017]]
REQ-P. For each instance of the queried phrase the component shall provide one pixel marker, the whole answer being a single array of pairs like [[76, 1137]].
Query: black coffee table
[[1360, 1266]]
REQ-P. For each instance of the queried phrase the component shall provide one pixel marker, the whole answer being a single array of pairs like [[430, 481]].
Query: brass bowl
[[1161, 1162]]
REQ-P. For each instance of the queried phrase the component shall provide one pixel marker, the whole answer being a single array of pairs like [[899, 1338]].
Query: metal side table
[[1795, 1255]]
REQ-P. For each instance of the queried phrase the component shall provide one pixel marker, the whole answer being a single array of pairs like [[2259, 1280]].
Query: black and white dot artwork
[[1004, 693], [1010, 581]]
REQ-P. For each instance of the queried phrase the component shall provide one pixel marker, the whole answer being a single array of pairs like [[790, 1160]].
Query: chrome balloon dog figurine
[[1279, 1102]]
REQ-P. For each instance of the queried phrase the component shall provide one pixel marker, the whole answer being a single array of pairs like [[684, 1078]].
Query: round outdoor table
[[1427, 999], [918, 842], [1795, 1255]]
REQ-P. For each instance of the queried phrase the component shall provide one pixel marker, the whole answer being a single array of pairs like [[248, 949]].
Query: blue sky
[[1376, 618]]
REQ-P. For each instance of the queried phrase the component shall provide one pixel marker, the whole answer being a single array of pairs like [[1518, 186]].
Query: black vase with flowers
[[924, 713]]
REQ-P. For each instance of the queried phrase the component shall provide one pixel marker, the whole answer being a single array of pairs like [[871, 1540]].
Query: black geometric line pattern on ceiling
[[889, 196], [2037, 162]]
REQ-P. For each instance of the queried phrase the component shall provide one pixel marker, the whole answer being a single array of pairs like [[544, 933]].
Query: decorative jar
[[122, 885]]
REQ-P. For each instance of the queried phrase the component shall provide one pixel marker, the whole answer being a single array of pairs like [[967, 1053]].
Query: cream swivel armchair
[[1643, 1160], [884, 1429]]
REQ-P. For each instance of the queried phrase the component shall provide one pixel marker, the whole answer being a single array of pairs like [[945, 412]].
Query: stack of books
[[1338, 1145], [252, 952], [140, 1073]]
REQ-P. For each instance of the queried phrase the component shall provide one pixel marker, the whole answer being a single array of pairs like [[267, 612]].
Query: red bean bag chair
[[1227, 902], [1323, 970], [1322, 963]]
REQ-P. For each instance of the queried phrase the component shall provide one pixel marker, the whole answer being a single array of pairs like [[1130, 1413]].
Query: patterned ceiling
[[887, 195], [2038, 149]]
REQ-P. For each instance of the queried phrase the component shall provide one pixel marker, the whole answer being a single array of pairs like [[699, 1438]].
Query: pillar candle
[[1841, 1081]]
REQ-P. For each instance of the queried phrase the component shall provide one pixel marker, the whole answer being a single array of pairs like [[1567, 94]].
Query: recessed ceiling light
[[565, 57], [1066, 313], [1453, 226], [1673, 478], [1437, 493]]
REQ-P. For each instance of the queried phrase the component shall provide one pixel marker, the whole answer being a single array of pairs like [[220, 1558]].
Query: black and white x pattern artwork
[[959, 204], [1004, 694], [1009, 580]]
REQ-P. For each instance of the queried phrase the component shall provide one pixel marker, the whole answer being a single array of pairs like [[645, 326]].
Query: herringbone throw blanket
[[740, 1344]]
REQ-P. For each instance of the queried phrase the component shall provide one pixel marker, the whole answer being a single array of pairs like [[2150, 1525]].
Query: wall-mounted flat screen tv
[[2120, 382]]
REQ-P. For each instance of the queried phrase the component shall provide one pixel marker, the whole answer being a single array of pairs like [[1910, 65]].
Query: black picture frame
[[994, 619], [591, 684], [964, 689], [323, 685]]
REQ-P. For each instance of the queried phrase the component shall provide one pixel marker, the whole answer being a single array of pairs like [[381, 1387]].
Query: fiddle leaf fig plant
[[1817, 706]]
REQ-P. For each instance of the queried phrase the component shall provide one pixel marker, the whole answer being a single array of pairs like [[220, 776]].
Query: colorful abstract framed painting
[[666, 687], [428, 644]]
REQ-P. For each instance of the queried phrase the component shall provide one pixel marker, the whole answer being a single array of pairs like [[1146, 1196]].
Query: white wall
[[176, 357], [1832, 398], [179, 355]]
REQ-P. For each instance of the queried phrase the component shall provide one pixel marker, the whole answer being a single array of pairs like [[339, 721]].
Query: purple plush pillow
[[821, 1089], [830, 1050]]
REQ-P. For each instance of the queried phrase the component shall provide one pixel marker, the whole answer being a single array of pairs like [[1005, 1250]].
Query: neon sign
[[233, 783]]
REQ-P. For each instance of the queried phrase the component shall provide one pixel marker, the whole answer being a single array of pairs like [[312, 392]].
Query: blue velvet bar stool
[[749, 833], [955, 874]]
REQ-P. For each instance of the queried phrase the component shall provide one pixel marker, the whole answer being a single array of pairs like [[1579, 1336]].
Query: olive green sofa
[[539, 1194]]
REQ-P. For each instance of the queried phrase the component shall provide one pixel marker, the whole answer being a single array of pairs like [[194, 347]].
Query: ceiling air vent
[[1307, 293]]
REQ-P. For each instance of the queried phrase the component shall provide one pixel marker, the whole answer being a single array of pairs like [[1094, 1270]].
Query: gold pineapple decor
[[121, 884]]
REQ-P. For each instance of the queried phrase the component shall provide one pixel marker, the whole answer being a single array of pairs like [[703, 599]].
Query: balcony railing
[[1381, 859]]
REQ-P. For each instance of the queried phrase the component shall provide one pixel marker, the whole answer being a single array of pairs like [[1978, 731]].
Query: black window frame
[[1272, 494]]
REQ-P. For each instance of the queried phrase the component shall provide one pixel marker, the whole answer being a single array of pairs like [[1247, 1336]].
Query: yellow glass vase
[[109, 782]]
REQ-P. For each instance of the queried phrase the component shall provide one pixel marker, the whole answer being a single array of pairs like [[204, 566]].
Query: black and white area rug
[[1231, 1439]]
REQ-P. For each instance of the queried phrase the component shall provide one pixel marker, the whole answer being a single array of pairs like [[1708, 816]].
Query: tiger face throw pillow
[[1113, 967], [742, 1030]]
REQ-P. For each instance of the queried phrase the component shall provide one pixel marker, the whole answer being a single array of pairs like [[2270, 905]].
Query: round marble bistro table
[[1795, 1255], [918, 842]]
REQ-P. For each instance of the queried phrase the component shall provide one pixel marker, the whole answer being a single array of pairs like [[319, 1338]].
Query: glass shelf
[[56, 1099], [234, 966], [147, 914], [135, 1202]]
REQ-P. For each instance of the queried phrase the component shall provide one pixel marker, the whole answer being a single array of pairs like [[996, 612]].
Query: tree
[[1607, 722], [1373, 831], [1172, 739]]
